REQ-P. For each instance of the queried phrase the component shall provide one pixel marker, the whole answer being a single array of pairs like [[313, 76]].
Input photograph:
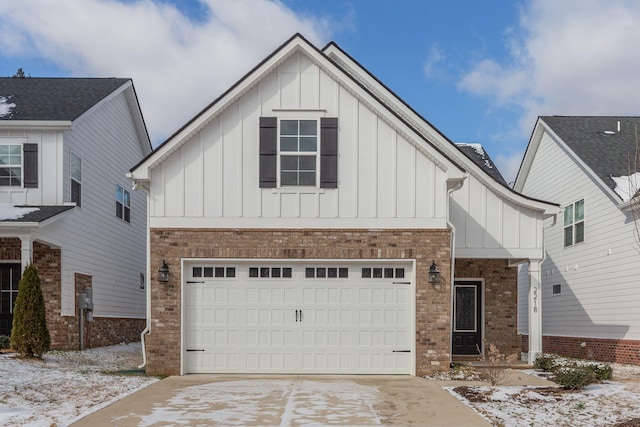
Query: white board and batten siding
[[599, 278], [490, 226], [384, 180]]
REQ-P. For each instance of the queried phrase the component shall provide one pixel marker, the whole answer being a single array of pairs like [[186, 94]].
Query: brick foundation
[[432, 301], [604, 350], [500, 301], [65, 330]]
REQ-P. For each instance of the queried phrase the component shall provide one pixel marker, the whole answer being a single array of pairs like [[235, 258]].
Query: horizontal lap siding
[[380, 173], [93, 240], [600, 295]]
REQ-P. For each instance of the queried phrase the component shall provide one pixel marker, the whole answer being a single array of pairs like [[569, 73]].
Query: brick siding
[[432, 305], [500, 301], [604, 350], [65, 330]]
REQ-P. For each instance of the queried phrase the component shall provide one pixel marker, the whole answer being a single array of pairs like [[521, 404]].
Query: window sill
[[298, 190]]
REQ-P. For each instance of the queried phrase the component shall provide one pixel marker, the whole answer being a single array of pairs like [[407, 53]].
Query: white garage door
[[268, 317]]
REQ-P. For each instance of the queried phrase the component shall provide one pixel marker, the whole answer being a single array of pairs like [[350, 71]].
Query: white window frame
[[572, 223], [76, 178], [14, 165], [123, 203], [282, 153]]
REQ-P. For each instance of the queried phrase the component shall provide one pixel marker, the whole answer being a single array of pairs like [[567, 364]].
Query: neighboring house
[[67, 206], [300, 216], [590, 277]]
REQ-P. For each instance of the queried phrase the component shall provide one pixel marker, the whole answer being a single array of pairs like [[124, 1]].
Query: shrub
[[574, 377], [602, 371], [29, 334], [546, 362], [5, 342]]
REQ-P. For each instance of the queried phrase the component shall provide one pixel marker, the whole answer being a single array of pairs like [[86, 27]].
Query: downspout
[[147, 328], [456, 187]]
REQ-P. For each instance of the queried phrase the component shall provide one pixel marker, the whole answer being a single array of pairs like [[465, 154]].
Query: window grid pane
[[298, 137]]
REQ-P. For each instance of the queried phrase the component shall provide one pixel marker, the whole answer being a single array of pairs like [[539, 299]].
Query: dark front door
[[467, 318], [9, 280]]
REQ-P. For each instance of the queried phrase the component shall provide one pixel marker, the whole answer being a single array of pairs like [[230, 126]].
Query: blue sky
[[480, 71]]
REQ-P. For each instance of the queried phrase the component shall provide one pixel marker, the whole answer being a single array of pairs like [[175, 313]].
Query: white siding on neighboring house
[[93, 239], [50, 152], [381, 174], [599, 278]]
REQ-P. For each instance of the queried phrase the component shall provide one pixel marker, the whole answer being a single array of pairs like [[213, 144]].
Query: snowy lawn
[[66, 386], [612, 403]]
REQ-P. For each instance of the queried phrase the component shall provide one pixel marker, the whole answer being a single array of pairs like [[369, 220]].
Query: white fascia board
[[435, 137], [529, 155], [36, 124], [297, 223], [8, 226]]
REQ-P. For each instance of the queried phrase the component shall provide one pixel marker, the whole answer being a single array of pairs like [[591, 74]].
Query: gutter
[[450, 191]]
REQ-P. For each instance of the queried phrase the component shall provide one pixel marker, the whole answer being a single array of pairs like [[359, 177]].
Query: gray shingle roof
[[54, 98], [43, 213], [479, 156], [607, 154]]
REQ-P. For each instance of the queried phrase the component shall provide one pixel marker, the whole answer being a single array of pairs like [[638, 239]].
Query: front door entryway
[[9, 280], [467, 318]]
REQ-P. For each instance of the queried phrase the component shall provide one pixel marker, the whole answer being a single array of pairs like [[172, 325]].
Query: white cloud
[[570, 57], [508, 165], [434, 59], [178, 65]]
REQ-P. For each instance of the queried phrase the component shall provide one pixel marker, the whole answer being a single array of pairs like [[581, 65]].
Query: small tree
[[20, 74], [29, 334]]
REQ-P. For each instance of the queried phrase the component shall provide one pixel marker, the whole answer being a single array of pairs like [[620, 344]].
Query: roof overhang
[[142, 171]]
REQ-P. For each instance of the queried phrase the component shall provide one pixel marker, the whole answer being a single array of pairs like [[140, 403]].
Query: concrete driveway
[[268, 400]]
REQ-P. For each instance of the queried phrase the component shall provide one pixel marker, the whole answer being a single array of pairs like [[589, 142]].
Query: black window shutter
[[268, 152], [329, 152], [30, 164]]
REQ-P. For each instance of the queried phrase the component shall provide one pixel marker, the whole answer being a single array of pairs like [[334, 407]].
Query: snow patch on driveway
[[261, 402]]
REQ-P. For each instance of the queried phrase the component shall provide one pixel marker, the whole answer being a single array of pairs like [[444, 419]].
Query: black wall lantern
[[163, 272], [434, 273]]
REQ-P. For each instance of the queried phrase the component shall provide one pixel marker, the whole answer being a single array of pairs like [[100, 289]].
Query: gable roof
[[479, 156], [598, 142], [368, 88], [46, 99]]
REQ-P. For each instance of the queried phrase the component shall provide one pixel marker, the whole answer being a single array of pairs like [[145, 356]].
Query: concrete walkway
[[272, 400]]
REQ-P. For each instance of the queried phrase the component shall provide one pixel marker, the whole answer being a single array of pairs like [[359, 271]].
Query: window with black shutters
[[298, 152]]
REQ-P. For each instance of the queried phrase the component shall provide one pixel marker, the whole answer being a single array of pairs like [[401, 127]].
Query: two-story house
[[310, 221], [591, 273], [67, 206]]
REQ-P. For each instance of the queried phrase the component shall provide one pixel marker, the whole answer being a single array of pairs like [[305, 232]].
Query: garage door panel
[[342, 325]]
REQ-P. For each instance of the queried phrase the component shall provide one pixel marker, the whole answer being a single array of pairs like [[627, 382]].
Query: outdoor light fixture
[[434, 273], [163, 272]]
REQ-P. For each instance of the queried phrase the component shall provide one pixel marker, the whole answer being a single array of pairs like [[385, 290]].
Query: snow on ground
[[66, 386], [608, 404]]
